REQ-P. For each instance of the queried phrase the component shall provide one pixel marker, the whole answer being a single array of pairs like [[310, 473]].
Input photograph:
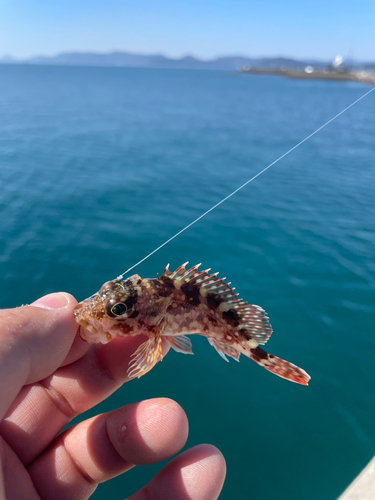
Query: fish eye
[[116, 309], [119, 309]]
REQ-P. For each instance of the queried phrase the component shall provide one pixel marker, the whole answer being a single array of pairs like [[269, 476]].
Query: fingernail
[[52, 301]]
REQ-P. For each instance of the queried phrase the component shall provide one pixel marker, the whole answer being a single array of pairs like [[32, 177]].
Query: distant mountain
[[8, 59], [118, 58]]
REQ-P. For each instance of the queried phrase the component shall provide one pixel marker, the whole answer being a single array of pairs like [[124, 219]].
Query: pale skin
[[48, 375]]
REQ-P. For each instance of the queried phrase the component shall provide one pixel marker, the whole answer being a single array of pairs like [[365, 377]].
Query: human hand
[[48, 375]]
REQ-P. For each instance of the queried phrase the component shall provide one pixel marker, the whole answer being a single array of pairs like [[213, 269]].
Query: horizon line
[[173, 58]]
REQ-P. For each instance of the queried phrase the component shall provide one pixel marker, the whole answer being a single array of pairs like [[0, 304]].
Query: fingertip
[[203, 477], [196, 474], [163, 425], [149, 431], [52, 317], [64, 303], [45, 329], [57, 300]]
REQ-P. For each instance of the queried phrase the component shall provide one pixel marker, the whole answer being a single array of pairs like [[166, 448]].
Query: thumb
[[34, 341]]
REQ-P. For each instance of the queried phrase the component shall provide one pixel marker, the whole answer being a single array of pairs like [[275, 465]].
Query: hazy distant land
[[126, 59]]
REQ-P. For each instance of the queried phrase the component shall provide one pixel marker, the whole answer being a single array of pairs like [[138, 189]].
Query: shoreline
[[367, 77]]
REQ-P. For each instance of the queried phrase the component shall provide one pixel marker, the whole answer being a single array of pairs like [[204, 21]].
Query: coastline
[[354, 76]]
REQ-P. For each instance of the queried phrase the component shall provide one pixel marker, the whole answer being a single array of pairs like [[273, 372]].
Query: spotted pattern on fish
[[176, 304]]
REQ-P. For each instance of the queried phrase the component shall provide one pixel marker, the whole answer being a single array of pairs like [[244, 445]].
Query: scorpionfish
[[176, 304]]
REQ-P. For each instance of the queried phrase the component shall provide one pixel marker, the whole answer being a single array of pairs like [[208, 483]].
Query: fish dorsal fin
[[250, 320]]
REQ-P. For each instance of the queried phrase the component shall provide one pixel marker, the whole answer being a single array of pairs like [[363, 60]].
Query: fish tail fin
[[279, 366]]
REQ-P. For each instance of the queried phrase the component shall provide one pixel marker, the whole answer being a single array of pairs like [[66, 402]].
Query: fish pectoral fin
[[180, 343], [145, 357], [224, 349]]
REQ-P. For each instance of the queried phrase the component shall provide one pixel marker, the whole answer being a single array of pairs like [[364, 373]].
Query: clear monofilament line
[[246, 183]]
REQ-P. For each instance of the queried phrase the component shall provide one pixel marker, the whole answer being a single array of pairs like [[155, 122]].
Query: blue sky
[[203, 28]]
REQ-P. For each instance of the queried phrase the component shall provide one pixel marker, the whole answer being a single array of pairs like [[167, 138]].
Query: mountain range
[[126, 59]]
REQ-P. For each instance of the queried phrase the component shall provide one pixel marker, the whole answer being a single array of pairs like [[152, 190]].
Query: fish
[[174, 305]]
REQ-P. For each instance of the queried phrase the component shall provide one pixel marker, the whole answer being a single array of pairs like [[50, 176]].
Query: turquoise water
[[99, 166]]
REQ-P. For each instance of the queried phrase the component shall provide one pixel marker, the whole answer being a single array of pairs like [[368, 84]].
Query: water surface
[[99, 166]]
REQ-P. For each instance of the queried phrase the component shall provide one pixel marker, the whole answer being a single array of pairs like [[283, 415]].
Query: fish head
[[104, 315]]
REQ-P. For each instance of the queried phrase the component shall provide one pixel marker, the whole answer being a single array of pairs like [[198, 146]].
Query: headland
[[309, 73]]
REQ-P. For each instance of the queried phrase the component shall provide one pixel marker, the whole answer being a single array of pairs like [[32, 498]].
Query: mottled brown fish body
[[177, 304]]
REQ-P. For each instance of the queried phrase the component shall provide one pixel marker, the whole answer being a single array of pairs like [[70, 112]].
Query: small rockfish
[[176, 304]]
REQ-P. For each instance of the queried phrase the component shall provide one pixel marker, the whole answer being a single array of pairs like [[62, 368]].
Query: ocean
[[99, 166]]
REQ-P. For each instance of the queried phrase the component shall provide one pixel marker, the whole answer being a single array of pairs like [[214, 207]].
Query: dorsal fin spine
[[252, 319]]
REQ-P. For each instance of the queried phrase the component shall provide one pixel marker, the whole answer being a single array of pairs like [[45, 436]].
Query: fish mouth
[[92, 302], [89, 314], [83, 309], [84, 313]]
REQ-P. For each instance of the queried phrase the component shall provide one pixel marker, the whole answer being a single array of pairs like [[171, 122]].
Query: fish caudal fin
[[279, 366], [145, 357]]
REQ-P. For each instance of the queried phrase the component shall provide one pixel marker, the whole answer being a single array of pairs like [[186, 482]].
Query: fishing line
[[246, 183]]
